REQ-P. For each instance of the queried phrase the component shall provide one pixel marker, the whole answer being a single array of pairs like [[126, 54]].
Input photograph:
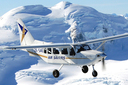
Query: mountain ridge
[[91, 23]]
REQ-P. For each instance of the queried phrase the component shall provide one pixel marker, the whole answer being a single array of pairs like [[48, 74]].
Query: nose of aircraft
[[103, 56]]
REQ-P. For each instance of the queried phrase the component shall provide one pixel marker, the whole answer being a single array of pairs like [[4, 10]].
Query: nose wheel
[[94, 73]]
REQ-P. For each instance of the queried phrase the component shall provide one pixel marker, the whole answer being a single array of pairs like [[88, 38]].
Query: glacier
[[51, 24]]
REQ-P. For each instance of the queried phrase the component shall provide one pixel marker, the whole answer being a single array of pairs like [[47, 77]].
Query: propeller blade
[[103, 64]]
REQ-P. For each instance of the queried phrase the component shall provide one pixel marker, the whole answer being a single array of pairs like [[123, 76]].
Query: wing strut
[[60, 67], [100, 45]]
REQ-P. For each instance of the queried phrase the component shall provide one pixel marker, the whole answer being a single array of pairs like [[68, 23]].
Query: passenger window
[[72, 52], [55, 51], [49, 50], [44, 50], [64, 51]]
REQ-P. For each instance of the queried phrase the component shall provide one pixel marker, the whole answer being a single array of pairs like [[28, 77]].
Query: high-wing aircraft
[[79, 53]]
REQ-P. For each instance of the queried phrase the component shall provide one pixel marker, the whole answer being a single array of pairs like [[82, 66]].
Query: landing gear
[[56, 72], [94, 73], [85, 69]]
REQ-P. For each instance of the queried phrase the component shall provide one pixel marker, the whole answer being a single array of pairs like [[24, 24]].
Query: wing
[[104, 39], [35, 46], [67, 44]]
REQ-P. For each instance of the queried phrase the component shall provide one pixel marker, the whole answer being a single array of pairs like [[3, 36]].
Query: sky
[[104, 6]]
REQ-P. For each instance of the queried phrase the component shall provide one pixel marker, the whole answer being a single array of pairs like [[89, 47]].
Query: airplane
[[79, 54]]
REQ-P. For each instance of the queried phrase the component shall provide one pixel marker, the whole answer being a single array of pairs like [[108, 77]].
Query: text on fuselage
[[56, 57]]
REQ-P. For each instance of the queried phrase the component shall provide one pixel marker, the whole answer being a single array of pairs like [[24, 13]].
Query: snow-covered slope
[[126, 16], [51, 25]]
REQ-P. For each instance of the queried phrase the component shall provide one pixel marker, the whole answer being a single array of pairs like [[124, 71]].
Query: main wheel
[[56, 73], [94, 73], [84, 69]]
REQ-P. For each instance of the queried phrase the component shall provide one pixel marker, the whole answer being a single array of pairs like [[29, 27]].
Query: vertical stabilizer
[[25, 36]]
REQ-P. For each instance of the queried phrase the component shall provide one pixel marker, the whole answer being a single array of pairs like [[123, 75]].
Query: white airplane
[[79, 54]]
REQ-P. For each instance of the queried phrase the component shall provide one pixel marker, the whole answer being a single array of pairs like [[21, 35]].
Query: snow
[[75, 34], [7, 36], [55, 24], [112, 76], [62, 5]]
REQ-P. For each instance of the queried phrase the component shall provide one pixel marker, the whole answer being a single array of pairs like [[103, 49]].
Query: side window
[[86, 47], [82, 48], [49, 50], [64, 51], [55, 51], [44, 50], [72, 52]]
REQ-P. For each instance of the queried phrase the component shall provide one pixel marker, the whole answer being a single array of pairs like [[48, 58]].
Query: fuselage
[[74, 55]]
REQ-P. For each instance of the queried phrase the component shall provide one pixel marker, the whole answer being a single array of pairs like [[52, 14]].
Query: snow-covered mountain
[[126, 16], [53, 25]]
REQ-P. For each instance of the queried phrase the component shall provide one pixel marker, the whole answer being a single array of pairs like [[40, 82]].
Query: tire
[[56, 73], [94, 73], [84, 69]]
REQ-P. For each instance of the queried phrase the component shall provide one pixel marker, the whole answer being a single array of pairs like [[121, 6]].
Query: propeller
[[103, 64], [103, 59]]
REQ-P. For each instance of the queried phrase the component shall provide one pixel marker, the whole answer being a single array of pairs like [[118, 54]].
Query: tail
[[25, 36]]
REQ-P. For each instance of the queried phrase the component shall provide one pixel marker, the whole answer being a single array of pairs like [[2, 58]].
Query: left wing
[[67, 44]]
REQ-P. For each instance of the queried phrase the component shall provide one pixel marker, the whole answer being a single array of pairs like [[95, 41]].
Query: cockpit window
[[82, 48], [72, 52]]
